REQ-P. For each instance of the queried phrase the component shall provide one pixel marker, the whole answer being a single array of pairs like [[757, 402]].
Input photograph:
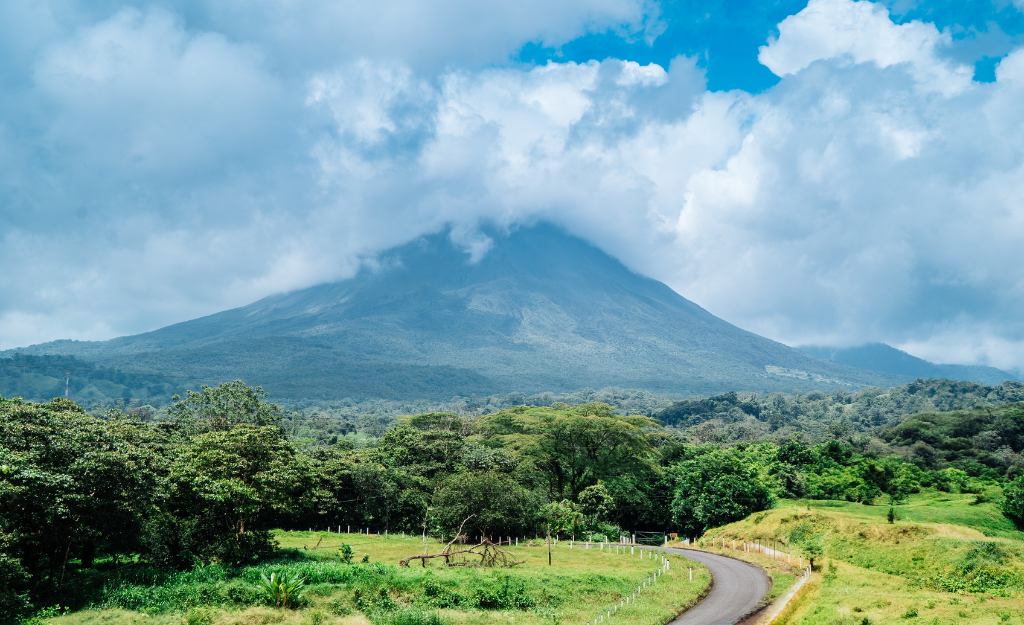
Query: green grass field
[[947, 559], [576, 588]]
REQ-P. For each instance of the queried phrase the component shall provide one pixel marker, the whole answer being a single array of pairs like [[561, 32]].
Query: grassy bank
[[578, 585], [947, 558]]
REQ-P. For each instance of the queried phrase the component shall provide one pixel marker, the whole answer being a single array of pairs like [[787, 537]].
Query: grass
[[945, 560], [579, 585]]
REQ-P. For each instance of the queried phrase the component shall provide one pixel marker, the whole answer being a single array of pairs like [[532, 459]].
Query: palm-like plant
[[280, 588]]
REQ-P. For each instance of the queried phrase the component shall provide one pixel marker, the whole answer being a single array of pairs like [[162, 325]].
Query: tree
[[574, 447], [70, 485], [596, 503], [1013, 504], [716, 486], [228, 487], [498, 504], [223, 407], [564, 517]]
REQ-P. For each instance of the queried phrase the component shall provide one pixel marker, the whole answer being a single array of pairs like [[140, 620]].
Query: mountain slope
[[882, 357], [541, 311]]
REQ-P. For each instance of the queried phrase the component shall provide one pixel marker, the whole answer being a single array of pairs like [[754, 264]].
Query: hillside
[[946, 558], [542, 311], [882, 357]]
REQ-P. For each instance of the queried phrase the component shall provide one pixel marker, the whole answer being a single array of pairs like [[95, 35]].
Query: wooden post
[[549, 544]]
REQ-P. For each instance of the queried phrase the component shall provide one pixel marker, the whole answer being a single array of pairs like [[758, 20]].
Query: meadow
[[946, 558], [579, 585]]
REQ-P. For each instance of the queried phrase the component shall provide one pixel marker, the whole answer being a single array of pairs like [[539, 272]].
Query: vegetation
[[733, 417], [578, 585], [946, 559], [179, 513]]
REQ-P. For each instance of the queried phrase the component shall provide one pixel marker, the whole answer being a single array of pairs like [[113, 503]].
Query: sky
[[829, 173]]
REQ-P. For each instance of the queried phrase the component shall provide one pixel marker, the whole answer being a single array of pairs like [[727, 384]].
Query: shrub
[[282, 589], [1013, 505], [346, 553], [503, 594], [199, 616]]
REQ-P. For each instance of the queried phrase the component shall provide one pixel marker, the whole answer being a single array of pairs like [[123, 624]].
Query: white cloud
[[873, 194], [138, 92], [862, 32]]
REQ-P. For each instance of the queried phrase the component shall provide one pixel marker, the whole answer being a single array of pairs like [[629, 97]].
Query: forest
[[209, 480]]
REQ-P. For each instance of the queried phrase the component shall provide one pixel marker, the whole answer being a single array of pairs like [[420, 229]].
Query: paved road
[[738, 588]]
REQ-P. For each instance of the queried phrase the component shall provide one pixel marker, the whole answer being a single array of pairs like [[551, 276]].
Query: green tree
[[1013, 503], [564, 517], [228, 487], [717, 486], [574, 447], [219, 408], [497, 503], [70, 485], [596, 503]]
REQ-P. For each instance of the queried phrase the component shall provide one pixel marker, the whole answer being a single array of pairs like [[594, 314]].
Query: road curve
[[738, 589]]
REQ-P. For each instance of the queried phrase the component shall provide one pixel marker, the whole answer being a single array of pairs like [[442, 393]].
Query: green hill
[[881, 357]]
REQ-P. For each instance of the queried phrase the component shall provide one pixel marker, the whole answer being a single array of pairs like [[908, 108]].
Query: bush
[[346, 553], [281, 589], [503, 594], [1013, 505], [199, 616], [441, 597]]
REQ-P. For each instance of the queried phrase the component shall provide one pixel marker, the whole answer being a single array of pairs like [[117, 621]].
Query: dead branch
[[490, 554]]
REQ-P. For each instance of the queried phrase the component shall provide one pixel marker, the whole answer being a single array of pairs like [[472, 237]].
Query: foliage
[[495, 504], [563, 517], [71, 485], [715, 486], [228, 487], [80, 495], [733, 417], [223, 407], [282, 589], [979, 442], [1013, 502], [573, 447]]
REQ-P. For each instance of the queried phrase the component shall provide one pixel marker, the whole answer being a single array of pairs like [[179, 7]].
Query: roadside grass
[[579, 585], [945, 559], [849, 595]]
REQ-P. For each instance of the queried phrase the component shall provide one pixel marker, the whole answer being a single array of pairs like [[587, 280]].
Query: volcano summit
[[541, 310]]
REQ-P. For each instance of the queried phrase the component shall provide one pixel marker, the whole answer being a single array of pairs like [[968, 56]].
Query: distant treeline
[[80, 494], [734, 417], [40, 378]]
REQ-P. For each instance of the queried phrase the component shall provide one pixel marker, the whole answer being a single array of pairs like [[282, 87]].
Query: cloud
[[138, 93], [862, 32], [177, 162]]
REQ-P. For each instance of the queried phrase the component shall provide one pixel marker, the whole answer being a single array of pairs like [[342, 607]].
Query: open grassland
[[946, 559], [579, 585]]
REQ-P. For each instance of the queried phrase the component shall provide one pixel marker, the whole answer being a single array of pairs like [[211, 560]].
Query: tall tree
[[574, 447]]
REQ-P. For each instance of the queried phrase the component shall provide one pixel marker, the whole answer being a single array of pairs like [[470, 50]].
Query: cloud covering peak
[[167, 161]]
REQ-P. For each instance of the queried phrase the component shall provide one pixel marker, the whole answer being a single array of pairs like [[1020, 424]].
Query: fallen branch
[[490, 554]]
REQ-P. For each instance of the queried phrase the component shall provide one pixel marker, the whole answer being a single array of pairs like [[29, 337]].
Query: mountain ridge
[[542, 310], [888, 359]]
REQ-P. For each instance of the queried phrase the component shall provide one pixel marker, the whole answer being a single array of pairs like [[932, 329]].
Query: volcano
[[541, 311]]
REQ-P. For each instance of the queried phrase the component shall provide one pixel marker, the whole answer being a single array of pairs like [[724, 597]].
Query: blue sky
[[832, 172], [726, 36]]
